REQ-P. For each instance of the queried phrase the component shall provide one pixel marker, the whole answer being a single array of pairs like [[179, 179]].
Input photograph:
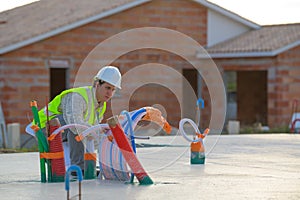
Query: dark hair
[[101, 82]]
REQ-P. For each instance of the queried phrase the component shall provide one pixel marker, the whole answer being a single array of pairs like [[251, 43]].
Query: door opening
[[58, 81]]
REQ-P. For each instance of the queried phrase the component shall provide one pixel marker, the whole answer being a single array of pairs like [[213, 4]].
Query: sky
[[263, 12], [10, 4]]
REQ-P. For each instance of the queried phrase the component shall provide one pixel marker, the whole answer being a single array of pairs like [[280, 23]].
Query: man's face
[[104, 92]]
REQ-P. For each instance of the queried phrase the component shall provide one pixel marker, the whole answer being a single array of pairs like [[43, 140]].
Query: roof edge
[[229, 14], [250, 54], [71, 26], [236, 55]]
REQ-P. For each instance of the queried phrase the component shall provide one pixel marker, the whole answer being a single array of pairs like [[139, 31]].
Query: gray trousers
[[76, 148]]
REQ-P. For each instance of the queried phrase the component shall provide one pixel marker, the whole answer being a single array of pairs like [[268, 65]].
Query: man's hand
[[105, 130]]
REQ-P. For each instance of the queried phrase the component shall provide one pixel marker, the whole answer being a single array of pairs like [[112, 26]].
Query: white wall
[[221, 28]]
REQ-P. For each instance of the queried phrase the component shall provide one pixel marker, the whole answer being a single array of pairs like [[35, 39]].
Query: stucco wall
[[221, 28]]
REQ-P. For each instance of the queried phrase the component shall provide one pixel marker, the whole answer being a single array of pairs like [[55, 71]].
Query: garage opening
[[252, 101], [190, 97]]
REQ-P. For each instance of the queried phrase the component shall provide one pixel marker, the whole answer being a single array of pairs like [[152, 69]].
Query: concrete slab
[[257, 166]]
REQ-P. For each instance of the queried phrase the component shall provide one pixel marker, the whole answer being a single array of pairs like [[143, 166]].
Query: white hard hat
[[111, 75]]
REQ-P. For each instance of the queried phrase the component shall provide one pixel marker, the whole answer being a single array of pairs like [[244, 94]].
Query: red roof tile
[[266, 39], [40, 17]]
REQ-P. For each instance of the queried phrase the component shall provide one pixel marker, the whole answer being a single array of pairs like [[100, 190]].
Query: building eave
[[250, 54]]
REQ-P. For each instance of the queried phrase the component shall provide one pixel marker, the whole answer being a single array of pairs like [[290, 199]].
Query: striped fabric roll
[[111, 161]]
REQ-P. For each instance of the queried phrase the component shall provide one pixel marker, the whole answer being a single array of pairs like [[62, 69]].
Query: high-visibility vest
[[53, 106]]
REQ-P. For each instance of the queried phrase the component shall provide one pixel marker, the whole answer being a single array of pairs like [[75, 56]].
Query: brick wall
[[251, 105], [24, 75], [286, 84], [282, 81]]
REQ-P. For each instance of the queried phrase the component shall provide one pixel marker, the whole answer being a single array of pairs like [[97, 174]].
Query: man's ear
[[96, 84]]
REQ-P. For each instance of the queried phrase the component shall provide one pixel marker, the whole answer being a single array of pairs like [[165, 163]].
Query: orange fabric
[[197, 146], [206, 131], [36, 128], [90, 156], [110, 138], [154, 115], [79, 138], [56, 155], [51, 137], [167, 127], [199, 135], [33, 103]]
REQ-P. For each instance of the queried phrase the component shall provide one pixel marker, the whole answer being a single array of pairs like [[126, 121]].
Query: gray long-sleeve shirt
[[74, 108]]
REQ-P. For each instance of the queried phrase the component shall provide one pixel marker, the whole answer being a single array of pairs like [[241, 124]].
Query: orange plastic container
[[198, 150]]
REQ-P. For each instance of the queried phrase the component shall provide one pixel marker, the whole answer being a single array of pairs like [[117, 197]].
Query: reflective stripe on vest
[[53, 106]]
